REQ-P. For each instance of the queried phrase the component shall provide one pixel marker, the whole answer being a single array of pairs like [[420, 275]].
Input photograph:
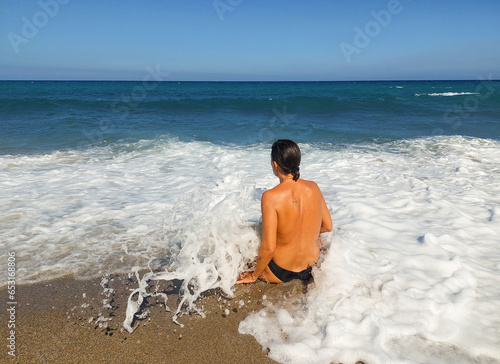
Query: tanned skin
[[294, 213]]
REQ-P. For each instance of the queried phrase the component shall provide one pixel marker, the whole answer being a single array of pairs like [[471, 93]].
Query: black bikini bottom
[[286, 275]]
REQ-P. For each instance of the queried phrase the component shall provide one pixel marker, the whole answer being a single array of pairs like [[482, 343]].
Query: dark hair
[[286, 154]]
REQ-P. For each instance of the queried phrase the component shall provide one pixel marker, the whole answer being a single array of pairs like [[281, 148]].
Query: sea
[[98, 178]]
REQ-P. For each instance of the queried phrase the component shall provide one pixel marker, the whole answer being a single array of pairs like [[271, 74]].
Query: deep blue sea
[[98, 178], [41, 117]]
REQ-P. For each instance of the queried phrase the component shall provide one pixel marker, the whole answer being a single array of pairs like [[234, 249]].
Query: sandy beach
[[56, 322]]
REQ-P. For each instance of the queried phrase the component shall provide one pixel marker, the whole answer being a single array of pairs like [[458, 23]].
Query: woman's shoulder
[[271, 193], [309, 184]]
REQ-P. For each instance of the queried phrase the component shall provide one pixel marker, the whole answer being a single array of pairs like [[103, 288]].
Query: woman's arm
[[268, 244], [326, 221]]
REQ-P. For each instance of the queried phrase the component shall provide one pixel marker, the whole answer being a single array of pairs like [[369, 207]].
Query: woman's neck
[[284, 178]]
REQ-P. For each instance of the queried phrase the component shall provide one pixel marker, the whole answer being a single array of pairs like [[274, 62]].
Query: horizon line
[[249, 81]]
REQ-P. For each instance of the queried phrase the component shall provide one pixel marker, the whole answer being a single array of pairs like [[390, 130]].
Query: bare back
[[300, 210]]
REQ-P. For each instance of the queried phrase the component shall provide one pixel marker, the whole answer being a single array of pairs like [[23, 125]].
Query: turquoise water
[[47, 116]]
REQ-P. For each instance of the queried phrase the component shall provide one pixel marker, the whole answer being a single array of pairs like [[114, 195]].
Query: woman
[[294, 213]]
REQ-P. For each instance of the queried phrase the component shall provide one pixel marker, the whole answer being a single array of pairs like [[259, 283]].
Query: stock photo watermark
[[31, 25], [140, 92], [223, 6], [277, 123], [125, 104], [363, 36], [11, 303], [462, 111]]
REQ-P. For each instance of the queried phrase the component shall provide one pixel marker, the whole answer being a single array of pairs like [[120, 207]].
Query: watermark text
[[31, 25], [456, 115], [223, 6], [363, 36], [11, 303]]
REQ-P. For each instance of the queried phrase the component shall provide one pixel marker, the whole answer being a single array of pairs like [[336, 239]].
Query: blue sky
[[230, 40]]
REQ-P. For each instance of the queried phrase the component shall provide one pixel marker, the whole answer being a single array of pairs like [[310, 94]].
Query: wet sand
[[57, 322]]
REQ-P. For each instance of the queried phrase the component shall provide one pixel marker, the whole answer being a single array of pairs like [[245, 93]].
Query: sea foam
[[412, 273], [448, 94]]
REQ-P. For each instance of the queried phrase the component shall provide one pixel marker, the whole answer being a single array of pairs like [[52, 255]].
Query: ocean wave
[[417, 243], [37, 104], [448, 94], [125, 106], [126, 177]]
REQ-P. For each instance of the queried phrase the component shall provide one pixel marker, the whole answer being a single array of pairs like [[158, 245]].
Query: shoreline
[[68, 320]]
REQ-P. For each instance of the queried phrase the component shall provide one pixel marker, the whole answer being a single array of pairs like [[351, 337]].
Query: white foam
[[411, 276], [448, 94], [80, 212]]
